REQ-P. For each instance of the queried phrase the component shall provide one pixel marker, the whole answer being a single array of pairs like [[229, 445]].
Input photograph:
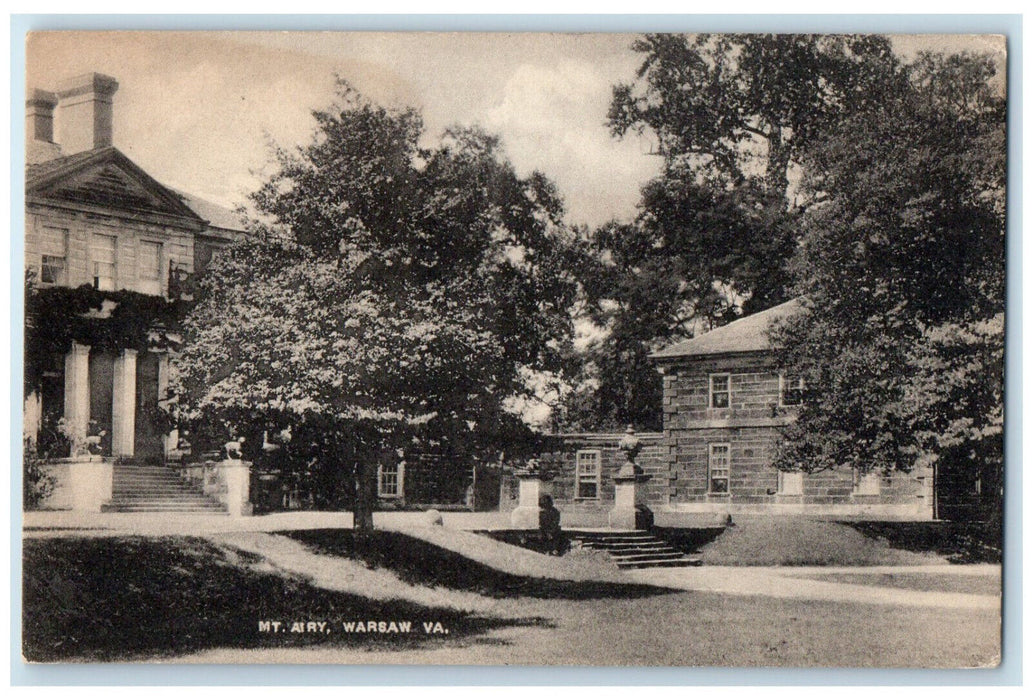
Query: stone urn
[[629, 509]]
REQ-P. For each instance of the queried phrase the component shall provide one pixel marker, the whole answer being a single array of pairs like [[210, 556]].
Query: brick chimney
[[39, 115], [84, 112]]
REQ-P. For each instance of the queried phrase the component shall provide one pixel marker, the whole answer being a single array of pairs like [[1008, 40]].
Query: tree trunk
[[365, 494]]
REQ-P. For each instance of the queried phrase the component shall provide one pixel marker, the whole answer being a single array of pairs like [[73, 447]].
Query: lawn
[[200, 600], [417, 561], [961, 543], [124, 598], [698, 630]]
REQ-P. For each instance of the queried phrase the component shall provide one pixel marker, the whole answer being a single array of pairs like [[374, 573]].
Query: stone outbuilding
[[725, 401]]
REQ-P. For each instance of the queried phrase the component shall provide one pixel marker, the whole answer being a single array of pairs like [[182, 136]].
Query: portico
[[105, 394]]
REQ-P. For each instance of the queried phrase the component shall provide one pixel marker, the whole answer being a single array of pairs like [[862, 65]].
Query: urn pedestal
[[527, 514], [629, 509], [91, 479]]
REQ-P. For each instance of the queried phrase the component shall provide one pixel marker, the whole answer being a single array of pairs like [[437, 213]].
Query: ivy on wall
[[55, 317]]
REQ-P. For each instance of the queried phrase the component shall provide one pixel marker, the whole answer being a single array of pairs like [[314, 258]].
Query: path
[[712, 616], [285, 555], [786, 582], [775, 581], [771, 581]]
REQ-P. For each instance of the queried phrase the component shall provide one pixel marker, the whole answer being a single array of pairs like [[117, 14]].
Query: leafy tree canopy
[[386, 291], [901, 268], [736, 108], [732, 116]]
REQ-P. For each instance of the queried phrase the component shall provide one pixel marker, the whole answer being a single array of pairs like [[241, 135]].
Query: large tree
[[731, 116], [387, 294], [901, 270]]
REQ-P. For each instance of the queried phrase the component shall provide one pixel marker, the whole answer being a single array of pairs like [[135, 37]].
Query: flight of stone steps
[[636, 549], [139, 489]]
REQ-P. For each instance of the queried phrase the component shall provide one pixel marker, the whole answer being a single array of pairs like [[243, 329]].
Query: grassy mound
[[114, 599], [688, 539], [471, 563], [800, 541]]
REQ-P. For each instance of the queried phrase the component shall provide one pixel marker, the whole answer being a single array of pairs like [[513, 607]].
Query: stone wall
[[434, 478], [560, 467]]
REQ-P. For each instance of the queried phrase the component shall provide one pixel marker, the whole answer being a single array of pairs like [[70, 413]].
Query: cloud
[[194, 109], [552, 118]]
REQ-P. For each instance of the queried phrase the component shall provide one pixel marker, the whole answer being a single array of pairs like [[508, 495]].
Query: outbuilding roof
[[748, 334]]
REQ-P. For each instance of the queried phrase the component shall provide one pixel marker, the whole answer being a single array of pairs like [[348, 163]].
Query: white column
[[123, 405], [77, 394]]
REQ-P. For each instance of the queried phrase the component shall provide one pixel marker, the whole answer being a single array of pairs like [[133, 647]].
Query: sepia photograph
[[513, 349]]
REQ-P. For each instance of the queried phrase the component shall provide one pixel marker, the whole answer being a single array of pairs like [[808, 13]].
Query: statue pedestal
[[236, 474], [527, 514], [91, 479], [629, 509]]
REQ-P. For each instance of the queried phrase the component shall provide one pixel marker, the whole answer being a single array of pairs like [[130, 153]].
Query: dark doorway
[[150, 444], [102, 377], [50, 441]]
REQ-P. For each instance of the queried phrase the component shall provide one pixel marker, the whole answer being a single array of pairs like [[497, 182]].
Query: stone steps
[[163, 508], [156, 489], [636, 549]]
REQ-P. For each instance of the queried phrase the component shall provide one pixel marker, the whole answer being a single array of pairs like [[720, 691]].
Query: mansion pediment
[[105, 179]]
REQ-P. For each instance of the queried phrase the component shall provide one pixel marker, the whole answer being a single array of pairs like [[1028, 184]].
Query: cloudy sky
[[196, 109]]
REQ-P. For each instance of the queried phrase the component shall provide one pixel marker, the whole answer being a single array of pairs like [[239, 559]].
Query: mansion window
[[102, 261], [149, 268], [790, 483], [389, 480], [720, 463], [720, 390], [54, 256], [52, 269], [790, 390], [866, 484], [588, 468]]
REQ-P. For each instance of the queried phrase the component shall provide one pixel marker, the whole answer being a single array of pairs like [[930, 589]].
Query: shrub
[[37, 481]]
